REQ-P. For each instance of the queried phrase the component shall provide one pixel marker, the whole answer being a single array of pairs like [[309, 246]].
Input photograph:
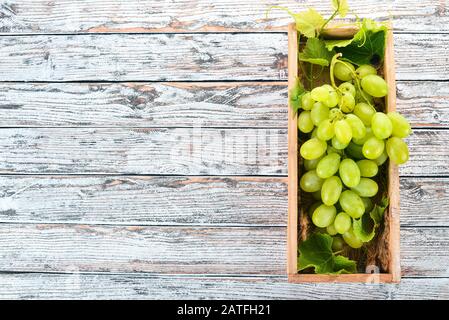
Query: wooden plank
[[218, 201], [186, 57], [227, 104], [41, 16], [182, 151], [151, 57], [236, 104], [184, 250], [142, 286], [144, 200], [192, 151]]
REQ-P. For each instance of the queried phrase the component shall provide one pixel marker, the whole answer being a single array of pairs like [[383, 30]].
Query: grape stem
[[334, 61]]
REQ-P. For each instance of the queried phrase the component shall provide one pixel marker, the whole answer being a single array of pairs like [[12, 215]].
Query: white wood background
[[96, 95]]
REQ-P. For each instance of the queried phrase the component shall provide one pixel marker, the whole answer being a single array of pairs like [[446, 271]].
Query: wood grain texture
[[183, 151], [41, 16], [229, 104], [195, 151], [141, 286], [152, 57], [132, 200], [218, 201], [235, 104], [186, 57], [184, 250]]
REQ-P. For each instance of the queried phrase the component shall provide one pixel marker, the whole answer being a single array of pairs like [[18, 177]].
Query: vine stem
[[332, 16]]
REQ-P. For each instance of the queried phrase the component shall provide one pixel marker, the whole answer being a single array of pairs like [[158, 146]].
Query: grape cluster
[[348, 140]]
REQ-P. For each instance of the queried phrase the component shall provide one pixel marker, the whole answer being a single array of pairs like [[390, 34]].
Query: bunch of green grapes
[[348, 141]]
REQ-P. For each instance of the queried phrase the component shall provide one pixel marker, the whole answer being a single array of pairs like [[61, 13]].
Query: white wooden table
[[103, 108]]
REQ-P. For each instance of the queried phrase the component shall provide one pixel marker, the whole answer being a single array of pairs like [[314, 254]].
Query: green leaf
[[331, 44], [365, 227], [308, 22], [315, 52], [316, 252], [296, 94], [341, 6], [367, 46]]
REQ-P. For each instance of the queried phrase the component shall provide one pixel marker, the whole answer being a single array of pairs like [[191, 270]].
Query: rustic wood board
[[71, 16], [186, 57], [183, 250]]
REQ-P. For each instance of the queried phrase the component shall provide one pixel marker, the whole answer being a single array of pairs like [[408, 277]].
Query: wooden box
[[294, 172]]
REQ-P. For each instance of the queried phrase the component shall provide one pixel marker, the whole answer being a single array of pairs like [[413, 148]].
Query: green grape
[[313, 149], [320, 94], [343, 131], [305, 123], [331, 149], [347, 102], [335, 114], [319, 113], [397, 150], [366, 188], [325, 130], [317, 195], [310, 182], [347, 87], [381, 125], [331, 190], [373, 148], [352, 240], [401, 127], [337, 244], [314, 133], [342, 222], [365, 70], [313, 207], [368, 168], [374, 85], [311, 164], [368, 204], [337, 144], [357, 126], [333, 100], [369, 134], [343, 71], [328, 166], [307, 101], [365, 112], [349, 173], [352, 204], [381, 160], [354, 151], [331, 230], [363, 97], [324, 216]]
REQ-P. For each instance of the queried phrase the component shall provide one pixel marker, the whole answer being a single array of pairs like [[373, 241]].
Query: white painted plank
[[186, 57], [195, 151], [41, 16], [135, 286]]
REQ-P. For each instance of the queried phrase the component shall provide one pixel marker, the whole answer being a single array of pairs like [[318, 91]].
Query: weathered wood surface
[[182, 57], [134, 200], [184, 250], [182, 151], [70, 16], [142, 286], [192, 151], [227, 104], [217, 201]]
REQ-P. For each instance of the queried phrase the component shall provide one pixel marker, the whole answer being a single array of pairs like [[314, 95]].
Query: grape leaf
[[316, 252], [365, 227], [308, 22], [296, 94], [341, 6], [331, 44], [367, 46], [315, 52]]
